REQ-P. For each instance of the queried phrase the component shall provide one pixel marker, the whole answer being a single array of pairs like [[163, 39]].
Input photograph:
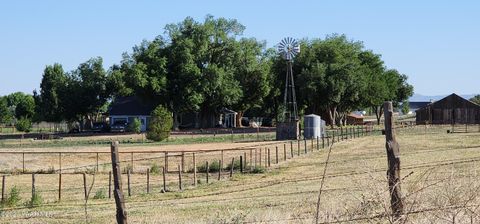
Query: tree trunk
[[378, 113], [239, 119], [331, 113], [176, 122]]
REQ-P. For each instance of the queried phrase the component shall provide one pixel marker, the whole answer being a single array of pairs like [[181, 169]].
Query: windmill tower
[[289, 127]]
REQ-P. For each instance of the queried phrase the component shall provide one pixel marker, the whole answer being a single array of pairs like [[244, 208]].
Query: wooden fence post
[[194, 170], [109, 184], [220, 169], [393, 156], [305, 145], [318, 144], [298, 147], [3, 189], [85, 185], [97, 162], [128, 183], [148, 180], [164, 177], [117, 179], [323, 141], [206, 171], [231, 167], [284, 152], [59, 186], [276, 154], [33, 185], [241, 164], [179, 177], [268, 157], [291, 149]]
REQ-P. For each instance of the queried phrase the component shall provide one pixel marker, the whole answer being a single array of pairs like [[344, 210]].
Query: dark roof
[[131, 105], [416, 105], [451, 102]]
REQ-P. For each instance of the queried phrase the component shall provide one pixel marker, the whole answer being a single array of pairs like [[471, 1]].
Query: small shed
[[354, 119], [452, 109]]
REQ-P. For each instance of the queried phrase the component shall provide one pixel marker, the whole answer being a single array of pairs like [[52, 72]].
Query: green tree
[[25, 107], [252, 73], [85, 92], [6, 115], [47, 101], [161, 123], [24, 124], [476, 99]]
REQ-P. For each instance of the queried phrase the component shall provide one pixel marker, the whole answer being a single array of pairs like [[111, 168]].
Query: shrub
[[160, 125], [13, 197], [258, 169], [212, 167], [135, 126], [24, 125], [155, 168], [100, 194], [36, 200]]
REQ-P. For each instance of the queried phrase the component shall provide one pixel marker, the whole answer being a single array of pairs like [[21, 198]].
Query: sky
[[435, 43]]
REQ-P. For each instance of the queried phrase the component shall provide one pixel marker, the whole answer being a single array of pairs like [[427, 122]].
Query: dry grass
[[440, 185]]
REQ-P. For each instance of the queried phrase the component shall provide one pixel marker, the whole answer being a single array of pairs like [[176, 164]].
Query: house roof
[[356, 116], [131, 105], [451, 102], [416, 105]]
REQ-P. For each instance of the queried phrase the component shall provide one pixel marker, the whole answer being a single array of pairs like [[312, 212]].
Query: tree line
[[206, 66]]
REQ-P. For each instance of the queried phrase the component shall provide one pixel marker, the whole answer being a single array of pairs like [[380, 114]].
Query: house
[[354, 119], [452, 109], [125, 109]]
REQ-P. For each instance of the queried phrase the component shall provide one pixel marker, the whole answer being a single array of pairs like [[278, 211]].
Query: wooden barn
[[452, 109]]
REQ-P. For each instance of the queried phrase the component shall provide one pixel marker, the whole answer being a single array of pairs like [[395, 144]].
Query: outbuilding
[[452, 109]]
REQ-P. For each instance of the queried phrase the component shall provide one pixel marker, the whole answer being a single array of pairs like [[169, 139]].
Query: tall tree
[[86, 92], [6, 116], [252, 73], [48, 105], [476, 99]]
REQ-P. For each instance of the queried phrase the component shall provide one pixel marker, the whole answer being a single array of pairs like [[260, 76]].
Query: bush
[[100, 194], [24, 124], [212, 167], [160, 125], [258, 169], [13, 197], [135, 126], [236, 165], [155, 169], [36, 200]]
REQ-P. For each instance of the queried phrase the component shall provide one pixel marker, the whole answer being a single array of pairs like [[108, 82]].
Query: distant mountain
[[423, 98]]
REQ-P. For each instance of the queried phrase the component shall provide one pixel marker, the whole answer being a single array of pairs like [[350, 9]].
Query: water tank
[[313, 126]]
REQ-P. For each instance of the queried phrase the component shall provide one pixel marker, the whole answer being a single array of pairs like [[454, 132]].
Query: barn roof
[[130, 105], [451, 102]]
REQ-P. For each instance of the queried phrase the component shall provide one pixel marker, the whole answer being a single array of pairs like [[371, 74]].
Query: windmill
[[288, 48]]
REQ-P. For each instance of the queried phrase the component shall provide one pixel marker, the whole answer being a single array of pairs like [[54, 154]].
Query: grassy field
[[440, 185]]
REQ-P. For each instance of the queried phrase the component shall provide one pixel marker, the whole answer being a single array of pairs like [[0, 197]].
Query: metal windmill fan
[[288, 48]]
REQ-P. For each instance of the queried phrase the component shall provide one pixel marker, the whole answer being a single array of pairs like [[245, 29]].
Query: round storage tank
[[312, 126]]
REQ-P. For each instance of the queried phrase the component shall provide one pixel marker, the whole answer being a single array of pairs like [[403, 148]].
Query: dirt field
[[439, 184]]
